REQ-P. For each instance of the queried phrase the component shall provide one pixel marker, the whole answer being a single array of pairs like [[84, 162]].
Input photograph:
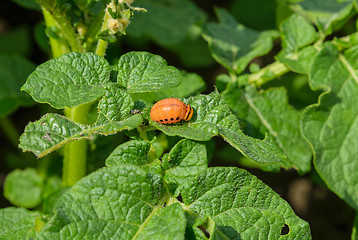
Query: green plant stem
[[63, 22], [102, 45], [268, 73], [92, 31], [10, 131], [58, 47], [75, 153], [142, 133]]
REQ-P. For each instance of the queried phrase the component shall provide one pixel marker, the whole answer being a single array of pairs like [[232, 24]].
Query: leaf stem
[[92, 31], [268, 73], [10, 131], [277, 69], [142, 133]]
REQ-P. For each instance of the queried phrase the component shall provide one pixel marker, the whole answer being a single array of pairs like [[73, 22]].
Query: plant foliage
[[125, 176]]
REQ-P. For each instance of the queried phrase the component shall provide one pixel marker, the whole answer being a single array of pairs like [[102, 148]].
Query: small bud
[[124, 22], [114, 25]]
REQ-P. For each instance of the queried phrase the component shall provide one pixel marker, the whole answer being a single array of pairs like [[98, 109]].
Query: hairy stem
[[75, 153], [268, 73], [277, 69], [102, 45], [58, 47]]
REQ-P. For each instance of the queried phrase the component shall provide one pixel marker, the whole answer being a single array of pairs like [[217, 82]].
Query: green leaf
[[29, 4], [166, 22], [250, 223], [191, 84], [13, 73], [17, 223], [115, 112], [69, 80], [212, 116], [133, 152], [331, 126], [195, 226], [184, 162], [112, 203], [299, 62], [129, 123], [199, 131], [16, 41], [49, 133], [269, 111], [53, 131], [115, 105], [213, 109], [52, 191], [242, 206], [167, 223], [327, 15], [297, 33], [233, 45], [146, 72], [23, 188]]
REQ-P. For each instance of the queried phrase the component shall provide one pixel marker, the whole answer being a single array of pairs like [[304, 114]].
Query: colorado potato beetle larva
[[170, 110]]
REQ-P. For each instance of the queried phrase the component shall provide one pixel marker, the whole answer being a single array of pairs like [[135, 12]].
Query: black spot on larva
[[161, 120], [166, 120], [172, 119], [177, 118]]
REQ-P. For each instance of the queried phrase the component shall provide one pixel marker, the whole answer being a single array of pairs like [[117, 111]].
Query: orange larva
[[170, 110]]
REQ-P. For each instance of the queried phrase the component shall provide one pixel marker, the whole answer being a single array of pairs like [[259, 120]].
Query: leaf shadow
[[230, 232]]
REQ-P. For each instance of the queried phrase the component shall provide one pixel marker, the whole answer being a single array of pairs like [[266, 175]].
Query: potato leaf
[[69, 80], [119, 202], [331, 125], [17, 223], [242, 206], [233, 45], [24, 188], [146, 72], [327, 15], [13, 73], [296, 34], [184, 162], [134, 152], [269, 111], [53, 131]]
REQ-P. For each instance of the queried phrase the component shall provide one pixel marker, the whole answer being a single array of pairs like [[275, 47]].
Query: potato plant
[[106, 170]]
